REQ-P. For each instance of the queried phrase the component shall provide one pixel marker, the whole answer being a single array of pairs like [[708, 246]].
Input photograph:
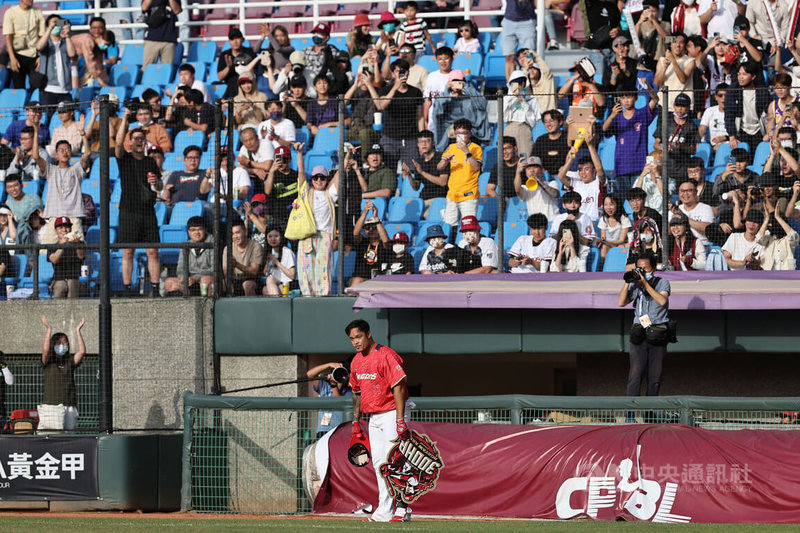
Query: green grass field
[[46, 524]]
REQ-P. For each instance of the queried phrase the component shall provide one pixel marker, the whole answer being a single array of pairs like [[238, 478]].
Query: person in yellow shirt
[[465, 159], [23, 25]]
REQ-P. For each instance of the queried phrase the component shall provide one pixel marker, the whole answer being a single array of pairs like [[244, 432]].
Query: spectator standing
[[685, 251], [315, 253], [413, 30], [652, 182], [68, 130], [247, 260], [59, 409], [201, 262], [713, 120], [141, 183], [281, 185], [521, 112], [532, 253], [518, 30], [363, 110], [779, 243], [22, 205], [508, 170], [742, 251], [718, 63], [552, 147], [631, 128], [92, 47], [23, 26], [757, 14], [719, 16], [161, 36], [101, 36], [64, 189], [462, 102], [387, 42], [685, 18], [402, 106], [437, 81], [675, 71], [581, 88], [651, 33], [542, 197], [233, 62], [683, 136], [279, 264], [426, 171], [66, 262], [483, 248], [621, 70], [649, 334], [751, 50], [540, 78], [358, 39], [92, 123], [589, 181], [465, 159], [603, 17], [56, 52]]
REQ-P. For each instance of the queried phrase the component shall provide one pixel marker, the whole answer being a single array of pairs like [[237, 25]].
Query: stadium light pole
[[106, 386]]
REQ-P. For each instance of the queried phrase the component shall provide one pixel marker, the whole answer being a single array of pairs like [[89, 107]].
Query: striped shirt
[[415, 33]]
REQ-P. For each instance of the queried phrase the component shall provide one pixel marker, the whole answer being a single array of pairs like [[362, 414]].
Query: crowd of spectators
[[581, 158]]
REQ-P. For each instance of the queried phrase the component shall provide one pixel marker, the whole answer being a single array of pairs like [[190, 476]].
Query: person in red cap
[[277, 129], [483, 249], [281, 185], [66, 262], [403, 262], [249, 105], [319, 54], [234, 61], [388, 25], [359, 39]]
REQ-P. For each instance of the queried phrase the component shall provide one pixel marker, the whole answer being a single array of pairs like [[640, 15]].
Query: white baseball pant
[[382, 431]]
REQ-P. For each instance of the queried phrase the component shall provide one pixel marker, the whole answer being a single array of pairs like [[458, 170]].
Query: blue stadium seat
[[133, 54], [761, 155], [3, 78], [487, 210], [349, 267], [183, 211], [416, 253], [91, 186], [513, 231], [407, 191], [13, 98], [113, 170], [313, 159], [301, 43], [469, 62], [704, 153], [422, 231], [724, 153], [236, 144], [627, 207], [205, 52], [173, 161], [436, 211], [483, 182], [380, 204], [56, 121], [113, 213], [326, 139], [447, 39], [593, 259], [74, 19], [516, 210], [162, 213], [607, 152], [429, 62], [32, 187], [227, 45], [124, 75], [121, 92], [188, 138], [489, 157], [16, 270], [396, 227], [405, 209], [615, 260], [339, 42], [5, 120], [494, 70], [45, 276], [218, 90], [157, 74], [93, 235], [485, 39]]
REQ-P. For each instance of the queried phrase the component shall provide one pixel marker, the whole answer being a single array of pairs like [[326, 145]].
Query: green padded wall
[[471, 330], [318, 324], [245, 326]]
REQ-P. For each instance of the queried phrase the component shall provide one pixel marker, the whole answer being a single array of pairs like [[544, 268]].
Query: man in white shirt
[[572, 203], [255, 156], [713, 120], [700, 214], [186, 74], [241, 179], [539, 196], [278, 130], [476, 244], [719, 15], [437, 80], [741, 250], [532, 253]]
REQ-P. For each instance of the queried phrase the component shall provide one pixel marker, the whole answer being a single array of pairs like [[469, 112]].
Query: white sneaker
[[402, 514]]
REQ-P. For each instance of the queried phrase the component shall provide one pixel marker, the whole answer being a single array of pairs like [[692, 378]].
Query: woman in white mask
[[686, 18], [402, 262], [646, 238], [441, 257], [59, 409]]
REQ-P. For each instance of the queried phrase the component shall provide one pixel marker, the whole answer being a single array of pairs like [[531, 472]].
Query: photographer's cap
[[297, 57]]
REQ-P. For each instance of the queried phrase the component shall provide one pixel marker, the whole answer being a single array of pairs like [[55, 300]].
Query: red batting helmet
[[358, 452]]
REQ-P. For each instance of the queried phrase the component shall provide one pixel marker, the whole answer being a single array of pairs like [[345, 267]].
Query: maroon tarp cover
[[659, 473]]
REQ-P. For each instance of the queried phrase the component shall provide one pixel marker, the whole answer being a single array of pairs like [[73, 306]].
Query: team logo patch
[[412, 467]]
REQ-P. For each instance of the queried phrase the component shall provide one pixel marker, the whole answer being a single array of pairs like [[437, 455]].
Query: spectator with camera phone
[[24, 165], [66, 262], [532, 253], [742, 250], [783, 159], [736, 173], [650, 332], [571, 255], [779, 241], [742, 118], [683, 136], [425, 172], [372, 251], [674, 71], [572, 201]]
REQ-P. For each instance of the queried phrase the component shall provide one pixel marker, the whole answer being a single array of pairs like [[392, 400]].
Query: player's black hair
[[359, 324]]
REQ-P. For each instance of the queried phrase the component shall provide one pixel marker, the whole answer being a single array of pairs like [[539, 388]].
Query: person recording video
[[650, 332]]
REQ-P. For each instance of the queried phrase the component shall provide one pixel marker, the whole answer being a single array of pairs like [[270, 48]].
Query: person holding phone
[[571, 254], [465, 159]]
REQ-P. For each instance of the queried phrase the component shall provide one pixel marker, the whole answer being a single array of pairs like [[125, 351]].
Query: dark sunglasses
[[318, 177]]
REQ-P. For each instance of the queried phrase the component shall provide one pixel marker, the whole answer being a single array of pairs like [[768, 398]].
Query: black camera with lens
[[758, 191], [634, 275], [297, 69]]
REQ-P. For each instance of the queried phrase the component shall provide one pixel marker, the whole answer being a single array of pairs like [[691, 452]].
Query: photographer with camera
[[650, 332], [335, 383]]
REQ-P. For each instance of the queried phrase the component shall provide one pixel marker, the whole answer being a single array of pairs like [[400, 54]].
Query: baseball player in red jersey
[[379, 389]]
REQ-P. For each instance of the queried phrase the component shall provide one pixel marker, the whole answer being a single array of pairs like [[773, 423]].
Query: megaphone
[[579, 139], [532, 184]]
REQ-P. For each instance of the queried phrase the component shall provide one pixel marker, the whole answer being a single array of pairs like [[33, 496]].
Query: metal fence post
[[229, 214], [665, 196], [106, 394], [186, 458], [217, 210], [500, 192], [342, 199]]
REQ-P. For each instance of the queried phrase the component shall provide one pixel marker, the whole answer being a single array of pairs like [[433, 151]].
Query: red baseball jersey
[[374, 375]]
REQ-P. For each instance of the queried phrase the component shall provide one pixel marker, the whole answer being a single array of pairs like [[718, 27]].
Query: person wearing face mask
[[372, 251], [650, 333], [484, 249], [442, 257], [402, 262], [387, 42], [92, 47], [646, 239], [686, 19], [278, 130], [320, 52], [521, 112], [59, 409], [234, 61]]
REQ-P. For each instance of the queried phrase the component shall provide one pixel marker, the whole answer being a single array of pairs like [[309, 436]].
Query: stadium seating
[[422, 231], [157, 74], [45, 277], [205, 52], [16, 270], [133, 54], [513, 231], [436, 211], [396, 227], [615, 260], [403, 209], [349, 267], [13, 98], [487, 210], [187, 138], [183, 211]]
